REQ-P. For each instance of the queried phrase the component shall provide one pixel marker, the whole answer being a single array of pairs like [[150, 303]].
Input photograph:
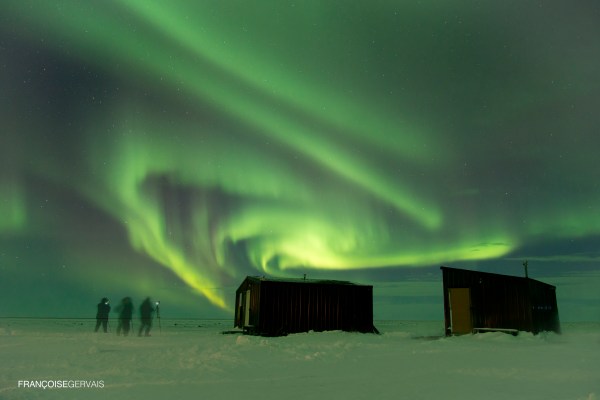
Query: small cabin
[[480, 301], [276, 307]]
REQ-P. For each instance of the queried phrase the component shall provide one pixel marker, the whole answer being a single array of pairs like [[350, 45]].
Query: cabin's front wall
[[247, 300], [501, 301], [497, 302]]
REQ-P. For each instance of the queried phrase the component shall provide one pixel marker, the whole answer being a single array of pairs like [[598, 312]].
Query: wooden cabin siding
[[503, 302], [544, 308], [279, 307]]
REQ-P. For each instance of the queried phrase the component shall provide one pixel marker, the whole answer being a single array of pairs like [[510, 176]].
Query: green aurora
[[200, 142]]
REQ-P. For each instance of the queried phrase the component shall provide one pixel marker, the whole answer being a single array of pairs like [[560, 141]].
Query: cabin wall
[[544, 309], [290, 307], [238, 321], [250, 308], [496, 301], [504, 302]]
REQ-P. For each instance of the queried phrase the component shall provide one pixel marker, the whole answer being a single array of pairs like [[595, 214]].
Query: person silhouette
[[146, 312], [125, 310], [102, 315]]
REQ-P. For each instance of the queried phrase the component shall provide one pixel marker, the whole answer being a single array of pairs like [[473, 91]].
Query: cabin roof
[[301, 281], [494, 275]]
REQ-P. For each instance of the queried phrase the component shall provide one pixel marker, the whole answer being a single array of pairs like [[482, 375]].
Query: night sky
[[169, 149]]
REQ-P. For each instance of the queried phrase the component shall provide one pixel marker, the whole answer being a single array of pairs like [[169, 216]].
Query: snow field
[[408, 360]]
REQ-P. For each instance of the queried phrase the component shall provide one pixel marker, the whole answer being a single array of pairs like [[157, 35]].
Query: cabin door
[[247, 309], [460, 310]]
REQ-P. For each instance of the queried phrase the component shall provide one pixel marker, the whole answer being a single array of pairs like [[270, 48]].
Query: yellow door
[[247, 309], [460, 310]]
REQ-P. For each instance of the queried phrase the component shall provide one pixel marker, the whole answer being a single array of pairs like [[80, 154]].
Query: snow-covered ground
[[193, 359]]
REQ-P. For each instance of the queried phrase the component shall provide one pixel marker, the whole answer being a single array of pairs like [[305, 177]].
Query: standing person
[[102, 315], [146, 312], [125, 310]]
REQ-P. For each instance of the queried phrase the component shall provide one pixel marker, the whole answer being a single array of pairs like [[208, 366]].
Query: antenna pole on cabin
[[525, 266]]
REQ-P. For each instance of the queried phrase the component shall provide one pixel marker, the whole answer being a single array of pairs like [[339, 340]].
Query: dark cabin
[[275, 307], [480, 301]]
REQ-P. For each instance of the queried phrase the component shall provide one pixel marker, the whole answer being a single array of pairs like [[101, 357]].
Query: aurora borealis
[[172, 148]]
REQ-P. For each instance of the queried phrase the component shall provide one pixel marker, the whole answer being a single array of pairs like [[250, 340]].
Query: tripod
[[158, 316]]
